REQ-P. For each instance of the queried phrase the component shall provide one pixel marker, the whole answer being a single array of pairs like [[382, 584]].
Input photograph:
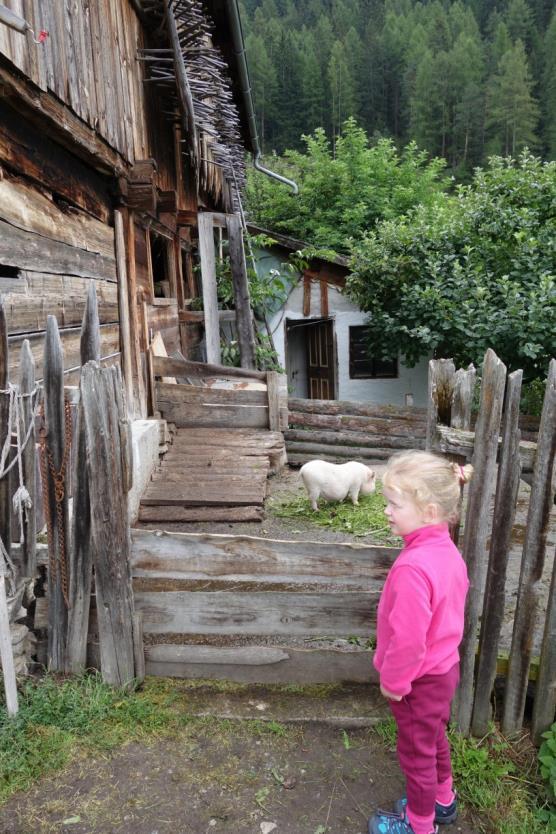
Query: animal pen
[[246, 608]]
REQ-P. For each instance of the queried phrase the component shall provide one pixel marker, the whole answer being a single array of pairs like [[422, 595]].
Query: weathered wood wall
[[337, 431], [89, 62], [267, 610]]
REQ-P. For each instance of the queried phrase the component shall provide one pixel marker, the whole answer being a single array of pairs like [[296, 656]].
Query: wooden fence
[[337, 430], [257, 610], [500, 459], [84, 451]]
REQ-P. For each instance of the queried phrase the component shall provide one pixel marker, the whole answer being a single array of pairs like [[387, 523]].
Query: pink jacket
[[421, 610]]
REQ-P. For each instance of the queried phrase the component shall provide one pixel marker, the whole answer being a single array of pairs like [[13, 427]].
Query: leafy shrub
[[547, 762]]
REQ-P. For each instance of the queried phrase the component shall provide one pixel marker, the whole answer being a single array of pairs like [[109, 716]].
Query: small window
[[361, 365]]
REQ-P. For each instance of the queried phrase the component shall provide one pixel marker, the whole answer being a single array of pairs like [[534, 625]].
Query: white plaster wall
[[145, 439], [345, 314]]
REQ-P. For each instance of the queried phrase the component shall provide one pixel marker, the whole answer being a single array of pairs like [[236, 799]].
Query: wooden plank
[[139, 403], [273, 394], [81, 574], [299, 458], [70, 338], [6, 652], [260, 664], [198, 414], [110, 539], [462, 398], [306, 296], [206, 498], [500, 542], [29, 532], [32, 296], [534, 551], [27, 250], [324, 298], [374, 425], [126, 345], [476, 528], [176, 393], [208, 277], [184, 367], [440, 391], [273, 612], [194, 514], [459, 442], [32, 210], [352, 438], [545, 695], [202, 555], [59, 540], [242, 299], [411, 413], [76, 92]]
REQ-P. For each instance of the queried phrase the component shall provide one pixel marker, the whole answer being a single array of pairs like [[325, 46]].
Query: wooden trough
[[257, 610]]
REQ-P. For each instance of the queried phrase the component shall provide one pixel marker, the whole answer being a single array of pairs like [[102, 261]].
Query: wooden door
[[320, 361]]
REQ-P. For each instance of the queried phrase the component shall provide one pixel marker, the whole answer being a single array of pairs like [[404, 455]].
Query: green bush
[[547, 762]]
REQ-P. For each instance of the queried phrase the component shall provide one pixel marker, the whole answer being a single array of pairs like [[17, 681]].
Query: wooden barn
[[120, 120]]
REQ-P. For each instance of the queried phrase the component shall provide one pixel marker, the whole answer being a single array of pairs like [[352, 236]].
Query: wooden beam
[[126, 345], [163, 366], [306, 295], [242, 299], [210, 299]]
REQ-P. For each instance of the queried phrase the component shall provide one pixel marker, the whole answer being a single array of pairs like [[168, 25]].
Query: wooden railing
[[261, 402]]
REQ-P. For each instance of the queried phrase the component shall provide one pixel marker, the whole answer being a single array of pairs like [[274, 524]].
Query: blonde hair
[[428, 479]]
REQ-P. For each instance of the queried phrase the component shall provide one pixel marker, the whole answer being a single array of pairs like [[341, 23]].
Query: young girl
[[419, 629]]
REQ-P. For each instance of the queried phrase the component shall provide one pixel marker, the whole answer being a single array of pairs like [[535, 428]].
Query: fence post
[[439, 402], [109, 524], [208, 280], [55, 455], [462, 398], [6, 652], [273, 393], [28, 460], [81, 573], [534, 547], [476, 528], [504, 513], [5, 502]]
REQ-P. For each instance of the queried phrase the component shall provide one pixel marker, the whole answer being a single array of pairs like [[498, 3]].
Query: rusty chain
[[59, 480]]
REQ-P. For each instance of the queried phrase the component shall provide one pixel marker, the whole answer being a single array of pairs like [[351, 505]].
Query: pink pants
[[423, 748]]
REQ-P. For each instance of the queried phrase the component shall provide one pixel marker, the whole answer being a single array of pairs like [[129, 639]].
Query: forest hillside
[[464, 79]]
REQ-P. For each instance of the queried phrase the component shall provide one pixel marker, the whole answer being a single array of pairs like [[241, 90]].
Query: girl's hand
[[390, 695]]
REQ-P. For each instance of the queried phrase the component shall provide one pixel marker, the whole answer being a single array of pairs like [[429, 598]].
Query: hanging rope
[[21, 500]]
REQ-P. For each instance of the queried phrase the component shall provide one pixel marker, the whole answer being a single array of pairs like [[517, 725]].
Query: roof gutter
[[239, 51]]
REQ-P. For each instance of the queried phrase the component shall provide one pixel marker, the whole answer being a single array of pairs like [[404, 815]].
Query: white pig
[[334, 481]]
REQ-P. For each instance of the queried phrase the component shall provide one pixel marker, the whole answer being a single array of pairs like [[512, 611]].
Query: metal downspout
[[239, 51]]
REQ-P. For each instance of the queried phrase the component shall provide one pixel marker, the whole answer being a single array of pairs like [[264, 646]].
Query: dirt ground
[[217, 775]]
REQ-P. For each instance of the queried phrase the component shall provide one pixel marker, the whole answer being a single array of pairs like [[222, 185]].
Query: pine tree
[[341, 87], [513, 113], [262, 74]]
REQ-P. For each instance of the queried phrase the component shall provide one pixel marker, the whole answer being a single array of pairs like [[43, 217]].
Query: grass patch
[[498, 782], [367, 520]]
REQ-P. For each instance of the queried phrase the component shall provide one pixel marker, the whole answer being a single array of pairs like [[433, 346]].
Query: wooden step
[[192, 514]]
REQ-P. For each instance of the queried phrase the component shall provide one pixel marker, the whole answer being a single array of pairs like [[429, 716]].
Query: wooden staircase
[[226, 438]]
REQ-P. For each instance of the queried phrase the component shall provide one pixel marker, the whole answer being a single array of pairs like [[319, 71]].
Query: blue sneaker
[[385, 823], [443, 814]]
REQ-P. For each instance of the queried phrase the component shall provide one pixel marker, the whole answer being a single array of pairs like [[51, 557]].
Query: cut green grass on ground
[[367, 520], [61, 721]]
